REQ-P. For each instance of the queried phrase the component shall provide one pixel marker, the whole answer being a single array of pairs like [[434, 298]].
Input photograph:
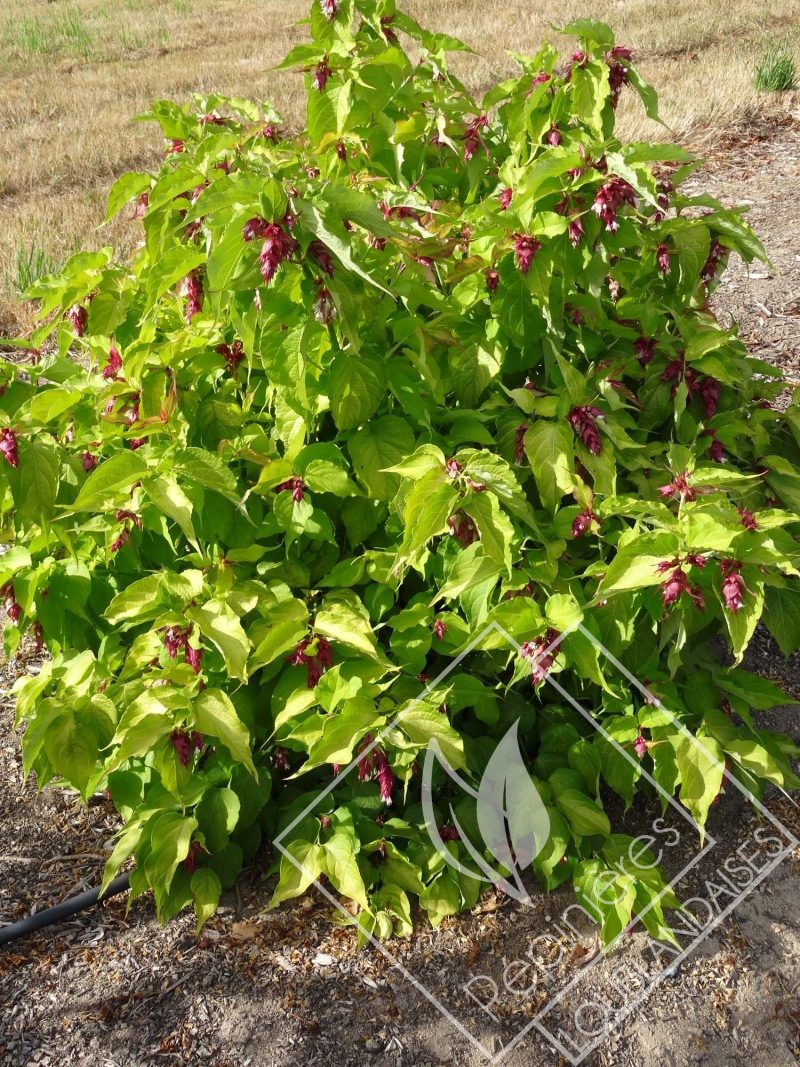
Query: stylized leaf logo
[[511, 815]]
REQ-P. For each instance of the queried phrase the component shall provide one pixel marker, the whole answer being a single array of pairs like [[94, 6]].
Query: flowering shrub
[[431, 363]]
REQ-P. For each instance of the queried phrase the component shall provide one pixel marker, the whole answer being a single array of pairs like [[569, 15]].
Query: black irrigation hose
[[61, 911]]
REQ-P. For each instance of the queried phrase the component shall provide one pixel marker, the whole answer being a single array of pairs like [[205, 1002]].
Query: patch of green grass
[[32, 264], [129, 40], [69, 25], [776, 71], [32, 36]]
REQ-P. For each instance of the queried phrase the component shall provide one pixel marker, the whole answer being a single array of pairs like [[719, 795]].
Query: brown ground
[[287, 988]]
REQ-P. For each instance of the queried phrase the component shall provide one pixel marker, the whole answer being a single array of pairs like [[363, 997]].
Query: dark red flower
[[324, 308], [317, 662], [385, 775], [79, 318], [715, 449], [182, 744], [640, 747], [195, 851], [13, 610], [270, 132], [575, 231], [716, 254], [541, 652], [122, 539], [232, 354], [322, 72], [386, 28], [330, 8], [747, 518], [174, 640], [610, 197], [733, 585], [297, 487], [113, 366], [448, 833], [463, 528], [525, 248], [583, 522], [505, 198], [662, 258], [553, 136], [645, 349], [709, 392], [8, 446], [540, 79], [583, 420], [322, 256], [277, 247], [519, 442], [492, 280], [140, 207], [192, 289], [193, 656], [254, 228], [677, 584], [439, 629], [618, 71], [128, 516], [679, 486]]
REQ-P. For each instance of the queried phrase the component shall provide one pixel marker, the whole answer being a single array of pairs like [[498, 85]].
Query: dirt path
[[288, 988]]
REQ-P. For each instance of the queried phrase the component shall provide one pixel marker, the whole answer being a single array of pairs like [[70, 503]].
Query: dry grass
[[72, 74]]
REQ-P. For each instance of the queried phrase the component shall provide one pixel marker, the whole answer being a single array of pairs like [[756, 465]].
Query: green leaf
[[495, 528], [421, 724], [72, 749], [205, 469], [206, 891], [283, 629], [701, 764], [340, 864], [590, 91], [37, 481], [327, 230], [297, 876], [217, 815], [343, 618], [357, 386], [341, 731], [376, 446], [124, 189], [585, 815], [629, 570], [549, 448], [110, 480], [647, 94], [782, 617], [222, 628], [427, 508], [171, 835], [442, 897], [215, 716], [170, 499]]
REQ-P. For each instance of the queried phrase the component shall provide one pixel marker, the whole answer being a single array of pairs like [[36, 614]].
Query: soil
[[289, 987]]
